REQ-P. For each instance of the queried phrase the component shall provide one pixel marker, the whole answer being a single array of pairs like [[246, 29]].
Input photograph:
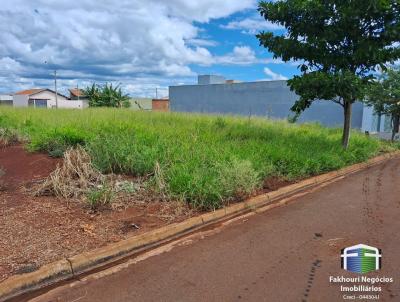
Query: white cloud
[[273, 75], [241, 55], [202, 42], [252, 25], [126, 40]]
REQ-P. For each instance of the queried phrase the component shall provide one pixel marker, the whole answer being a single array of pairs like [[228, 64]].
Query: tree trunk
[[396, 123], [346, 124]]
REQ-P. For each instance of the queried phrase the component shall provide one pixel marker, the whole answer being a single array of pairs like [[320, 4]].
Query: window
[[37, 103]]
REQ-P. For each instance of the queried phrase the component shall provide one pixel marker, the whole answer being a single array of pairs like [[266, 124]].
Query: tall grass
[[204, 160]]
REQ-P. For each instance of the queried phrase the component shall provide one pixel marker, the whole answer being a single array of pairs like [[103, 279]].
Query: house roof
[[30, 91], [35, 91], [76, 92]]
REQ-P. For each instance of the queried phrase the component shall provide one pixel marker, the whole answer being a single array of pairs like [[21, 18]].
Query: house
[[77, 94], [6, 99], [272, 99], [44, 98]]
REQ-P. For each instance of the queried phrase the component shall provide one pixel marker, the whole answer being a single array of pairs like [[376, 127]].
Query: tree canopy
[[338, 44], [384, 96], [106, 96]]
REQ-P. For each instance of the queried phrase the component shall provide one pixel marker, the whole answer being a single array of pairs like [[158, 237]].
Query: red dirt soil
[[38, 230], [21, 167]]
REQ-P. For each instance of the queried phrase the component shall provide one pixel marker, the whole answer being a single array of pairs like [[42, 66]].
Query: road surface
[[285, 254]]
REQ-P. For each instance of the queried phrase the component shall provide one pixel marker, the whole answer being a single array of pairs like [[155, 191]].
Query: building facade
[[270, 99], [45, 98], [6, 100]]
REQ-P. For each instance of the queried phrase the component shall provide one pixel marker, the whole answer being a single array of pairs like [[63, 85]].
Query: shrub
[[238, 179], [99, 197]]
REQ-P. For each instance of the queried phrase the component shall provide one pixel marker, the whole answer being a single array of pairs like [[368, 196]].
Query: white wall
[[50, 96], [63, 102], [6, 97], [72, 104], [20, 100]]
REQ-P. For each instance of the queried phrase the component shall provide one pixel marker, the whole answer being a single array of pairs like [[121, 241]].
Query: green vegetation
[[106, 96], [99, 197], [384, 96], [206, 161], [338, 45]]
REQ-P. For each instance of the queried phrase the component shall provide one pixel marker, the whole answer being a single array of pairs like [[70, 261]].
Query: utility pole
[[55, 87], [77, 90], [156, 93]]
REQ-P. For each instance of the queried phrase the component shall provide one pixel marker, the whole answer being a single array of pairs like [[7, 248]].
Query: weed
[[239, 179], [99, 197], [126, 187], [8, 137], [220, 123]]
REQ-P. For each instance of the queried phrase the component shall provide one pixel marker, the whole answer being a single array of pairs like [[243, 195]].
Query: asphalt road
[[285, 254]]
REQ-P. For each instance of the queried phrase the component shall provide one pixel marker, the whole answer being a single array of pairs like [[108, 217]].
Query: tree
[[384, 96], [106, 96], [339, 44]]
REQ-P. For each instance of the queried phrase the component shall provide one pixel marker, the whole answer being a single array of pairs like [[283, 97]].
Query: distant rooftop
[[35, 91], [76, 92], [29, 91]]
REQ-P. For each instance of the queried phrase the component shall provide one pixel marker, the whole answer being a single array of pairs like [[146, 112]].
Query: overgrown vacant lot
[[207, 161]]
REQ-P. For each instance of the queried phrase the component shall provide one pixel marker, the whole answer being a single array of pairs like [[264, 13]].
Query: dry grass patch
[[74, 178], [8, 137], [77, 178]]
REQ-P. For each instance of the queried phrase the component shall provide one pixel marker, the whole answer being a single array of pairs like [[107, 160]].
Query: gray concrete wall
[[271, 99], [210, 79]]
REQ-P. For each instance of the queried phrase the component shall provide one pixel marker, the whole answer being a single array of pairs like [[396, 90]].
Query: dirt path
[[286, 254]]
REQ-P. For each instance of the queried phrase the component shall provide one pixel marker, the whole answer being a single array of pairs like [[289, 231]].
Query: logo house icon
[[361, 259]]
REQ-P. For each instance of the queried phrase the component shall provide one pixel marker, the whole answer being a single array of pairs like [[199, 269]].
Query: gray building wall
[[271, 99], [210, 79]]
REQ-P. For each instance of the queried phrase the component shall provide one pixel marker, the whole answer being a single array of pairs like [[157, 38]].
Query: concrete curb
[[76, 265]]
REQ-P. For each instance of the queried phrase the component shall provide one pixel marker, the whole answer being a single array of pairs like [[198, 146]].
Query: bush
[[238, 179]]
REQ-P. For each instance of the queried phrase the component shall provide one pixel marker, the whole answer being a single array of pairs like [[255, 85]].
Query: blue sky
[[142, 44], [230, 32]]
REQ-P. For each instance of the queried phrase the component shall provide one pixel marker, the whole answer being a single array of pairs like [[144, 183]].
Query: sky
[[140, 44]]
